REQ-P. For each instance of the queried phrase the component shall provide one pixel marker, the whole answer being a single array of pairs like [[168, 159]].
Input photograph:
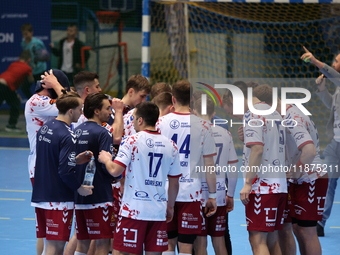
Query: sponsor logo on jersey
[[276, 162], [298, 136], [72, 158], [78, 133], [184, 163], [142, 194], [43, 129], [174, 124], [149, 143]]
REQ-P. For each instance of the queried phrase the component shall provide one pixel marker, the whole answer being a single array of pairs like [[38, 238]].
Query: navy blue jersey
[[55, 179], [92, 136]]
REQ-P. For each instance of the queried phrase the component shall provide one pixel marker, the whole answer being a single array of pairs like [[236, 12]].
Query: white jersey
[[302, 131], [38, 110], [226, 155], [128, 123], [149, 158], [194, 139], [266, 130]]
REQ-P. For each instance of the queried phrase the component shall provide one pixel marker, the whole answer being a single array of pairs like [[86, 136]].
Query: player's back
[[226, 155], [301, 130], [92, 136], [152, 158], [55, 161], [194, 139], [268, 131]]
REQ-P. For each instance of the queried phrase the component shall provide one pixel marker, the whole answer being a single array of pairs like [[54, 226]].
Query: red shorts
[[286, 212], [308, 200], [264, 212], [53, 224], [130, 235], [117, 199], [97, 223], [215, 225], [188, 218]]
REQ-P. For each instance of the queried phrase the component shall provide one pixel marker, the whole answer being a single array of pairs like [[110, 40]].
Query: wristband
[[212, 195]]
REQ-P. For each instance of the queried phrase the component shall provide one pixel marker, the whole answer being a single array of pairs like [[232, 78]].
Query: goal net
[[233, 40]]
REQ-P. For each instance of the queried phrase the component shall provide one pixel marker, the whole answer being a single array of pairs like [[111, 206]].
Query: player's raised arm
[[118, 125]]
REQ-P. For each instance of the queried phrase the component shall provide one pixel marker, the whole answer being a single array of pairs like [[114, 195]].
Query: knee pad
[[172, 234], [307, 223], [186, 238]]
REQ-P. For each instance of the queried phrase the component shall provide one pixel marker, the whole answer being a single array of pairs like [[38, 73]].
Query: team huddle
[[147, 194]]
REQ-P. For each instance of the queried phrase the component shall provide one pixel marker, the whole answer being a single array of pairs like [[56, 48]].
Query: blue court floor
[[17, 223]]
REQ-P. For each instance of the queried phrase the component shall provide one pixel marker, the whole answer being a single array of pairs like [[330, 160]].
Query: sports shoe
[[10, 128], [319, 230]]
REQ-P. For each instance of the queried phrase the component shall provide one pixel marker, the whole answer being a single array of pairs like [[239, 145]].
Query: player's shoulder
[[216, 129]]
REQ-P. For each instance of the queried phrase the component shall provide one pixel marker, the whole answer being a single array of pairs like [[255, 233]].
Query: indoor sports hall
[[204, 41]]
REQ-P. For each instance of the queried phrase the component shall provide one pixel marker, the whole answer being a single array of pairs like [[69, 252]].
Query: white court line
[[13, 199], [14, 148], [15, 190]]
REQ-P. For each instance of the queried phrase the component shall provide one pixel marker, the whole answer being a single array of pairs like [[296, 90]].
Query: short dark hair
[[82, 77], [163, 100], [227, 96], [67, 101], [93, 102], [264, 93], [25, 55], [181, 91], [148, 111], [27, 27], [158, 88], [139, 83]]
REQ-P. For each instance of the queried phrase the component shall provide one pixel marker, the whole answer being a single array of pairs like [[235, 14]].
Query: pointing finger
[[307, 51]]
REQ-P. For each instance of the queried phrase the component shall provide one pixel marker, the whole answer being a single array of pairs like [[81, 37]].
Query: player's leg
[[258, 242], [219, 245], [103, 246], [40, 246], [216, 225], [286, 237], [54, 247], [40, 230], [200, 245], [201, 242], [305, 232], [286, 240], [227, 238], [152, 253], [82, 246], [189, 227], [172, 230], [332, 155], [81, 236], [273, 243]]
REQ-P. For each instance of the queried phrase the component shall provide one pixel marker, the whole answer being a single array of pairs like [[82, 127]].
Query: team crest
[[174, 124]]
